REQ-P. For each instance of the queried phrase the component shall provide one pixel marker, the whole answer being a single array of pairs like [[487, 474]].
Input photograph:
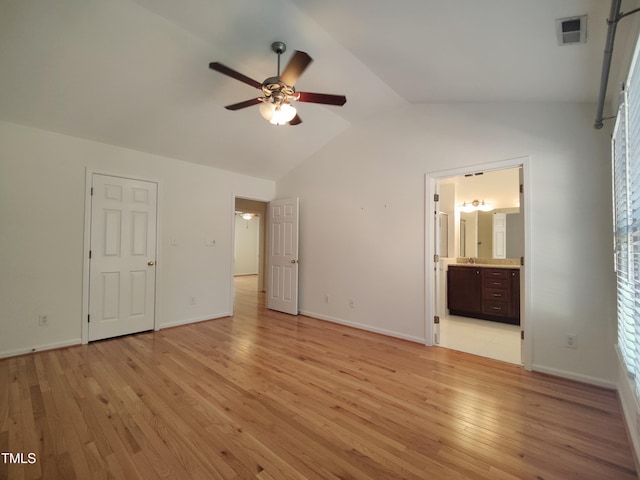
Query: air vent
[[571, 30]]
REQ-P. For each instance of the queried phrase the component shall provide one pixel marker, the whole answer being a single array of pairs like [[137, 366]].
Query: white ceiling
[[134, 73]]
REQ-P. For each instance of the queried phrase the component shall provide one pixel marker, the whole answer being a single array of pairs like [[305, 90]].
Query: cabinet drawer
[[496, 283], [491, 294], [496, 307], [495, 273]]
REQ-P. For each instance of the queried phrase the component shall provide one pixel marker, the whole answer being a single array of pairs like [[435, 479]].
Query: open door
[[521, 200], [282, 287]]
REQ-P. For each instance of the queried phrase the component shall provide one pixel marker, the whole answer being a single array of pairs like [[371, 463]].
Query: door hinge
[[436, 258], [521, 188], [436, 197], [92, 191], [88, 318], [89, 253], [436, 319], [521, 334], [521, 260]]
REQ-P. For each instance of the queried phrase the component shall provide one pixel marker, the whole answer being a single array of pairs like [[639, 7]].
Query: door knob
[[294, 261], [151, 263]]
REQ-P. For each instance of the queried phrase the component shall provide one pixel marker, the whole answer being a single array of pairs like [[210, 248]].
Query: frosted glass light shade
[[283, 115], [277, 115], [266, 110]]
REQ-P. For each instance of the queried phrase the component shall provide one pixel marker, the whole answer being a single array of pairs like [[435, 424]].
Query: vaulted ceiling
[[134, 73]]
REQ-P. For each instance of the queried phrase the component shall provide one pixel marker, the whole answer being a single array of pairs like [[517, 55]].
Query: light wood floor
[[269, 396]]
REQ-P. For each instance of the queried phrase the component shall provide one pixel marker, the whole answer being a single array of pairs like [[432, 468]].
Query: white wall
[[362, 201], [246, 246], [42, 195]]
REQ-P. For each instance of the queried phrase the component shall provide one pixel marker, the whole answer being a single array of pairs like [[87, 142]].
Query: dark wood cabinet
[[464, 294], [484, 292]]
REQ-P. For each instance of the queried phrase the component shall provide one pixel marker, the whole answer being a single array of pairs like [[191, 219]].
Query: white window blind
[[626, 204]]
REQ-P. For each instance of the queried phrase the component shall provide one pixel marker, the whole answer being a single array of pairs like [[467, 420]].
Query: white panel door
[[499, 235], [282, 288], [122, 280], [523, 350]]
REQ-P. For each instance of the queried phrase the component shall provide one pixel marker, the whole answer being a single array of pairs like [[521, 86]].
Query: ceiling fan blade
[[295, 120], [296, 66], [245, 104], [324, 98], [218, 67]]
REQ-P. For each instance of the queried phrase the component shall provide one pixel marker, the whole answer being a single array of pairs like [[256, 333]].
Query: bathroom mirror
[[476, 234]]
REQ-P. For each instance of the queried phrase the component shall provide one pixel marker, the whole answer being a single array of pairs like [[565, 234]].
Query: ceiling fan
[[279, 91]]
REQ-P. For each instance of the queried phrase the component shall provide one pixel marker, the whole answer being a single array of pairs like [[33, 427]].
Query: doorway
[[498, 186], [249, 257]]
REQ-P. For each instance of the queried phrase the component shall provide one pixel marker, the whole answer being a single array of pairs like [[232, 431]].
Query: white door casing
[[122, 282], [525, 353], [282, 289], [437, 227]]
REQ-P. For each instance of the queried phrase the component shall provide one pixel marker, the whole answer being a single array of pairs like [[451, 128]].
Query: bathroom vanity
[[486, 292]]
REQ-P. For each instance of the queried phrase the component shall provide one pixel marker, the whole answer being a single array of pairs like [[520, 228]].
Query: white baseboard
[[40, 348], [599, 382], [186, 321], [362, 326]]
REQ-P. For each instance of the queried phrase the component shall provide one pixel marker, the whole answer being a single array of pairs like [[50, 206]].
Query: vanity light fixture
[[247, 216], [476, 205]]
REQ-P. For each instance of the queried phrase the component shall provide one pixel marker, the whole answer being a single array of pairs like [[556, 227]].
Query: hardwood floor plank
[[270, 396]]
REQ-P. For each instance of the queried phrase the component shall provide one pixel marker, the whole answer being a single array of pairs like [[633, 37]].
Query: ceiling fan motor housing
[[272, 87]]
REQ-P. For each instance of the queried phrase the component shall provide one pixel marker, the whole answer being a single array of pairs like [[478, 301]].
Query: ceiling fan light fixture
[[282, 114], [277, 114], [280, 90]]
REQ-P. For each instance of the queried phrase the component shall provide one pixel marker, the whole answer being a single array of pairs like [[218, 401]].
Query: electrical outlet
[[192, 300], [570, 340], [43, 320], [352, 303], [327, 298]]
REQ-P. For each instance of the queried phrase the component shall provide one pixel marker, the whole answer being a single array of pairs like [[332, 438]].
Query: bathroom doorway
[[472, 199]]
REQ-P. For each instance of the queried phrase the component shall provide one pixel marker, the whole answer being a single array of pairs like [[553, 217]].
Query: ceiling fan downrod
[[279, 48]]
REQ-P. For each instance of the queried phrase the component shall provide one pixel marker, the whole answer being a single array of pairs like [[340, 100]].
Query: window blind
[[625, 151]]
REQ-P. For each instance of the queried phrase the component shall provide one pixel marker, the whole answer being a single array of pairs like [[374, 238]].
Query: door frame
[[89, 172], [430, 187]]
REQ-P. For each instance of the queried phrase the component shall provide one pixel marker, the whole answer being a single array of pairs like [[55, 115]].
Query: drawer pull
[[496, 308], [496, 294]]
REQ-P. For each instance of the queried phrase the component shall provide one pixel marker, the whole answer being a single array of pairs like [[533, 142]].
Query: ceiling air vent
[[571, 30]]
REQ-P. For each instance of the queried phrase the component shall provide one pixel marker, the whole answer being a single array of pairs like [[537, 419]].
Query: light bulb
[[485, 207], [467, 207]]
